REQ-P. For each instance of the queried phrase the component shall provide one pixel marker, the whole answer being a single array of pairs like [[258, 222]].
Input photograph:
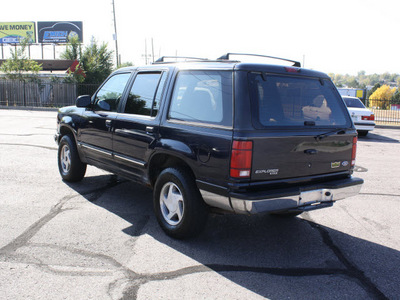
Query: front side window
[[202, 96], [109, 95], [145, 95], [295, 101]]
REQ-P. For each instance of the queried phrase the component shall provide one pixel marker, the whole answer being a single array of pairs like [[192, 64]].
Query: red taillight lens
[[292, 70], [242, 152], [353, 153], [368, 118]]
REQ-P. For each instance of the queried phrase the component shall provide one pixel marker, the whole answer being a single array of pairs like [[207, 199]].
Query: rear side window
[[295, 101], [202, 96], [145, 94]]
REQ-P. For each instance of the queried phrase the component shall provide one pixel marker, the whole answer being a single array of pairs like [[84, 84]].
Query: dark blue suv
[[218, 135]]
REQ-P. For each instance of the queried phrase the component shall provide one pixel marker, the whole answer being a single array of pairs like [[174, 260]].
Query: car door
[[136, 128], [95, 136]]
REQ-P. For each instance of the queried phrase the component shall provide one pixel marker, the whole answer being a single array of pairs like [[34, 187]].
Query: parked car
[[215, 135], [363, 118]]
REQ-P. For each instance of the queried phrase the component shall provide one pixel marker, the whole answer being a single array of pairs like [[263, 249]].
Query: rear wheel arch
[[162, 161]]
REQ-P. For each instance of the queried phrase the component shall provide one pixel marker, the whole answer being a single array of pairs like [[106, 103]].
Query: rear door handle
[[311, 151], [149, 129], [108, 123]]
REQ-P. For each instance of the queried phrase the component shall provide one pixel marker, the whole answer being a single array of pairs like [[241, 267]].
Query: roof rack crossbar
[[226, 57], [162, 59]]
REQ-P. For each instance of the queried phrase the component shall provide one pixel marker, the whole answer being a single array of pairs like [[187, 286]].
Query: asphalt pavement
[[99, 239]]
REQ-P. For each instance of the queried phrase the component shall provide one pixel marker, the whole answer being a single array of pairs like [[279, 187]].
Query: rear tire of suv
[[69, 164], [287, 214], [178, 205]]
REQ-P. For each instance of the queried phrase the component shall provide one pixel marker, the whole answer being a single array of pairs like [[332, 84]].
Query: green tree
[[19, 66], [396, 97], [73, 50], [352, 82], [96, 61]]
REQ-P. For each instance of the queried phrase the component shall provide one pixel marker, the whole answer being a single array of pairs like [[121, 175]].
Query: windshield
[[296, 101], [353, 102]]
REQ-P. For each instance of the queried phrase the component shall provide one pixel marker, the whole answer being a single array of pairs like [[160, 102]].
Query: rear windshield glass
[[353, 102], [295, 101]]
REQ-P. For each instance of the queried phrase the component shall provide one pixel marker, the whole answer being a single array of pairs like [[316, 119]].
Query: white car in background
[[363, 118]]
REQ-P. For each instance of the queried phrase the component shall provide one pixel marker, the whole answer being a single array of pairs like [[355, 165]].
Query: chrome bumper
[[308, 198]]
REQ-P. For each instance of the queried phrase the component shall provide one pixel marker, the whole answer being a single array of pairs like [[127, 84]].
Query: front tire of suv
[[69, 164], [178, 205]]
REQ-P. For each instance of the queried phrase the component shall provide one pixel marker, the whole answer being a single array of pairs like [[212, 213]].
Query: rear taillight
[[368, 118], [241, 156], [353, 153]]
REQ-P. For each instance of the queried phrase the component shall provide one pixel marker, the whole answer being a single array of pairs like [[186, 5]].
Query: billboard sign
[[13, 32], [59, 32]]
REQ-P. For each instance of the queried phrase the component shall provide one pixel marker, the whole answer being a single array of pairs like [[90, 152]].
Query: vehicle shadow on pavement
[[270, 256], [374, 137]]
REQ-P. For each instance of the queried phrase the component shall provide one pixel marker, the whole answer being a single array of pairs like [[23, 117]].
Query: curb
[[29, 108]]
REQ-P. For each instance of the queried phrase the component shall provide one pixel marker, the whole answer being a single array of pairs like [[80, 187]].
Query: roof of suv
[[226, 64]]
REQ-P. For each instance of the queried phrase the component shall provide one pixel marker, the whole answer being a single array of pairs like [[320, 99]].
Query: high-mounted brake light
[[353, 153], [292, 70], [368, 118], [241, 156]]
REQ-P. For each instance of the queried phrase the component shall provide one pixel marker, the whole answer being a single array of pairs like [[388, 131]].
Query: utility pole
[[152, 49], [115, 36]]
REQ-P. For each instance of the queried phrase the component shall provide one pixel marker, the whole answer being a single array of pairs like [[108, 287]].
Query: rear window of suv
[[296, 101]]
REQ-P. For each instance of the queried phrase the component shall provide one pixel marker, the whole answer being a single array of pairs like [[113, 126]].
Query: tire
[[69, 164], [362, 132], [178, 205], [287, 214]]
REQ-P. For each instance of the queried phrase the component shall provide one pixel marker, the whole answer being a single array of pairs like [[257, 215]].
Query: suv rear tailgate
[[292, 156]]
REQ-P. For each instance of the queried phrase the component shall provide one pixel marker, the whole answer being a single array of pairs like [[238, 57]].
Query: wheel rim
[[171, 203], [65, 159]]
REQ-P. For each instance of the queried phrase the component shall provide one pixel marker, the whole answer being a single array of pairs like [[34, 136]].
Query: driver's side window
[[108, 97]]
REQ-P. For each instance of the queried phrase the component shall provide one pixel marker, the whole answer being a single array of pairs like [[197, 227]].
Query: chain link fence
[[42, 93]]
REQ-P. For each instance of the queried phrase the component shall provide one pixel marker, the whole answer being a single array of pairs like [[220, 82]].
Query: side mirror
[[83, 101]]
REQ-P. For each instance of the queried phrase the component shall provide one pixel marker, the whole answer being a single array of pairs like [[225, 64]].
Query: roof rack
[[184, 58], [226, 57]]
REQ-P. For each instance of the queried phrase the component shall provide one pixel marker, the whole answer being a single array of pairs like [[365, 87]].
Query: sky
[[330, 36]]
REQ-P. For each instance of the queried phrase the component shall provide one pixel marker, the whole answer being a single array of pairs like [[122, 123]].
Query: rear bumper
[[364, 126], [300, 198]]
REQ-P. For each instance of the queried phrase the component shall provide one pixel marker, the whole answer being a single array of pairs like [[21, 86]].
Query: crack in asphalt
[[23, 238], [30, 145], [130, 282], [351, 270], [380, 194], [24, 134]]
